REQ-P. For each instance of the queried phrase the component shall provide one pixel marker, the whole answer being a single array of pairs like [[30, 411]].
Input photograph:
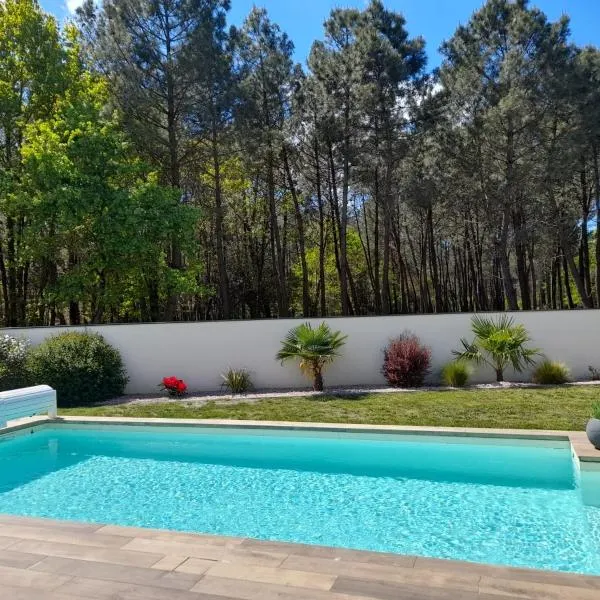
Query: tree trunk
[[572, 267], [502, 245], [306, 312], [597, 188], [322, 291], [318, 380], [219, 235]]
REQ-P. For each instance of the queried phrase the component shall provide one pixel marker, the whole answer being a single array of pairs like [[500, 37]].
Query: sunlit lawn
[[566, 408]]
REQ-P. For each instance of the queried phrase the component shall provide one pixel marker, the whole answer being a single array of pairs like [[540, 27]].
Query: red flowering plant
[[175, 387]]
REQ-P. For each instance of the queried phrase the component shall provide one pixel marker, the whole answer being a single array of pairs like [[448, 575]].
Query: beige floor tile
[[54, 534], [253, 590], [17, 559], [247, 556], [198, 550], [198, 566], [119, 573], [290, 577], [529, 590], [169, 563], [327, 552], [381, 573], [14, 593], [98, 589], [170, 536], [108, 555], [27, 578]]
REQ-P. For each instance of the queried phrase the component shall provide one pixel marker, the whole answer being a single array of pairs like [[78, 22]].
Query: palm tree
[[498, 344], [315, 348]]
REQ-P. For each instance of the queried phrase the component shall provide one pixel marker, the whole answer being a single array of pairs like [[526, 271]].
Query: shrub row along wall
[[200, 352]]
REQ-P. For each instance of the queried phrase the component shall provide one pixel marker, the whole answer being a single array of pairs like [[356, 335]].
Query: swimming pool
[[490, 500]]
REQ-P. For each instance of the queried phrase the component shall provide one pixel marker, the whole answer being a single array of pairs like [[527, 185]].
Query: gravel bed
[[200, 399]]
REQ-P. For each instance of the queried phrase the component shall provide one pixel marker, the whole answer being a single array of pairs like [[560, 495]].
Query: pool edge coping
[[582, 448]]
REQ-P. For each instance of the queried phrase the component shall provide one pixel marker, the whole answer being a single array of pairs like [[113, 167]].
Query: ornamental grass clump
[[406, 361], [550, 372], [499, 344], [313, 348], [237, 381], [456, 374]]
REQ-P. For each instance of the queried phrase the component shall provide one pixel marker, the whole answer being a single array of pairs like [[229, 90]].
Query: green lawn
[[566, 408]]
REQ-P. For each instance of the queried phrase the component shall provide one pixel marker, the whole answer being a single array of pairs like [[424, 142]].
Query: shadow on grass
[[332, 396]]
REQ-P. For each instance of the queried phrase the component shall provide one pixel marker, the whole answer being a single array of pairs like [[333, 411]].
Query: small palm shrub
[[313, 348], [549, 372], [406, 361], [13, 362], [456, 374], [82, 367], [237, 381], [498, 344]]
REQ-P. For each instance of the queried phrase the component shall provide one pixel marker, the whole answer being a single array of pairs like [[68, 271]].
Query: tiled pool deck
[[49, 560]]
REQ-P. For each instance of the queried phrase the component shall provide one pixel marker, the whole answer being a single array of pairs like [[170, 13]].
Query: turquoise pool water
[[500, 502]]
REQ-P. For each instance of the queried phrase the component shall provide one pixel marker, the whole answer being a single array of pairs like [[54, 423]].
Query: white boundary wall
[[200, 352]]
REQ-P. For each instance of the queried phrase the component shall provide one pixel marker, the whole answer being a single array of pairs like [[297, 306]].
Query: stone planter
[[593, 432]]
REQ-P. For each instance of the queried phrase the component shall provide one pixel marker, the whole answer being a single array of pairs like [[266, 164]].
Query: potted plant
[[593, 426]]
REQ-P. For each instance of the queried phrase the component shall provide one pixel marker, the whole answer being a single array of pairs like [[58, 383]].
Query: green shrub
[[596, 410], [13, 363], [314, 348], [456, 374], [82, 367], [237, 381], [549, 372], [499, 343]]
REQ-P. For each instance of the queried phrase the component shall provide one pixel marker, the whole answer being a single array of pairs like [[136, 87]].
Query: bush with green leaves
[[499, 344], [13, 362], [596, 410], [313, 348], [550, 372], [237, 381], [457, 374], [83, 368]]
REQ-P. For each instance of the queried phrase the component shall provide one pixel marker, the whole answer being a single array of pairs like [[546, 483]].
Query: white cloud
[[72, 5]]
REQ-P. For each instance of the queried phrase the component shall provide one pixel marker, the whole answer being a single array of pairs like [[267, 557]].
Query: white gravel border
[[200, 399]]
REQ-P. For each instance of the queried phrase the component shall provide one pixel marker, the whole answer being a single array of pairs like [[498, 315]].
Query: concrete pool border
[[65, 560], [582, 448]]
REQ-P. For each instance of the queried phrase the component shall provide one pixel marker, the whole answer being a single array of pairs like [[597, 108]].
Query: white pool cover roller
[[27, 402]]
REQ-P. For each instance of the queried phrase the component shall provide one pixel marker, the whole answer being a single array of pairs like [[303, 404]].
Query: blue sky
[[435, 20]]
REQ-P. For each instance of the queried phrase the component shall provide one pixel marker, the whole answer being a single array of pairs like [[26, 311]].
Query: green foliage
[[498, 344], [456, 374], [314, 348], [596, 410], [237, 381], [564, 408], [550, 372], [82, 367], [13, 362]]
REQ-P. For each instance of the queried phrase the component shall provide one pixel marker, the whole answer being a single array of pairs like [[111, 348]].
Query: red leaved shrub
[[406, 362]]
